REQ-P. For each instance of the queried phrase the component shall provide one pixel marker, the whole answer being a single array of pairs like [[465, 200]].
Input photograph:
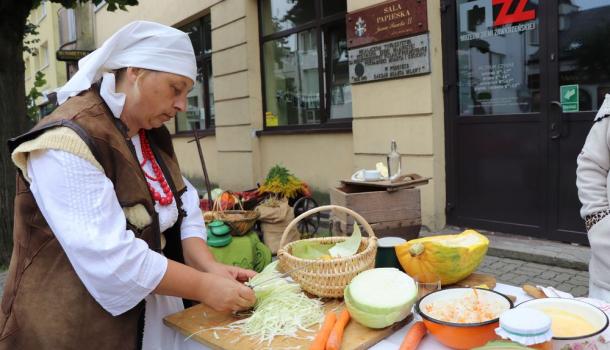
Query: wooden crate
[[396, 213], [407, 229]]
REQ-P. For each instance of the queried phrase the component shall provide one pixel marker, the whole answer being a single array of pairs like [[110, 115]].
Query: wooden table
[[356, 337]]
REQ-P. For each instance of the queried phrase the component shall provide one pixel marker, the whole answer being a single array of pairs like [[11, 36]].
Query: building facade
[[64, 36], [45, 17], [486, 120]]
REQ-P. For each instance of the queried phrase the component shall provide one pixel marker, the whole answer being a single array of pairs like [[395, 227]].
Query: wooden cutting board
[[200, 317], [477, 279]]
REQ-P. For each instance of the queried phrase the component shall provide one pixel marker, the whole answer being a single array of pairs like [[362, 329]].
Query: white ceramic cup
[[366, 175]]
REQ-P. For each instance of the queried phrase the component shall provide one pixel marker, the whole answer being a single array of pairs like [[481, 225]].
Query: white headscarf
[[139, 44]]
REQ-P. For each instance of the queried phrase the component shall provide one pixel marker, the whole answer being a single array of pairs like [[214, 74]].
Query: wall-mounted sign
[[388, 20], [71, 55], [569, 98], [392, 59], [482, 19]]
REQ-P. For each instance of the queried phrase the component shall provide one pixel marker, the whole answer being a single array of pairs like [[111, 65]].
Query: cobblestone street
[[517, 272]]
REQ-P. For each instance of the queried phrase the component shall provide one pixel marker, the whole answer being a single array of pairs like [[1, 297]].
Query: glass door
[[579, 60], [523, 82], [496, 151]]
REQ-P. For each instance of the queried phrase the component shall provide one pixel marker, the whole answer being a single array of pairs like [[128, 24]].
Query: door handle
[[555, 121]]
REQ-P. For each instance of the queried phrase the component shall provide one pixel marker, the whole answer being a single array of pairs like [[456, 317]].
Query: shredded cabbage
[[281, 309]]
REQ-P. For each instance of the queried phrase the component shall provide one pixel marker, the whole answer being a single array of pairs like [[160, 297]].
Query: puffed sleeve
[[80, 205], [192, 224]]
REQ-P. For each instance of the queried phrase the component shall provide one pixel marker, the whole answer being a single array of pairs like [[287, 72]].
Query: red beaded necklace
[[148, 156]]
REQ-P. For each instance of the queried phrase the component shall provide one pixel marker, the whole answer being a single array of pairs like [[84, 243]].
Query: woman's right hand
[[225, 294], [221, 293]]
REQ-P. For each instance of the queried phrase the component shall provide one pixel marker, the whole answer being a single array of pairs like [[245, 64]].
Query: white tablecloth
[[429, 342]]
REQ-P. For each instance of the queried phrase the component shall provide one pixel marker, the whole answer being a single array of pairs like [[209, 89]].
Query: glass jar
[[526, 326]]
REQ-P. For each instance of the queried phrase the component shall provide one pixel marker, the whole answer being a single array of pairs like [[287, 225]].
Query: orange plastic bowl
[[462, 335]]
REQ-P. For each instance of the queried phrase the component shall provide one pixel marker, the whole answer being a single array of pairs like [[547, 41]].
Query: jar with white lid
[[526, 326]]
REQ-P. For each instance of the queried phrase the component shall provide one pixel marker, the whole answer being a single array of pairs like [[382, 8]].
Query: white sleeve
[[80, 205], [593, 163], [192, 224]]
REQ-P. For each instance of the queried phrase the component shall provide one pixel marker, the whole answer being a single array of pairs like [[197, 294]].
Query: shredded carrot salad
[[467, 309]]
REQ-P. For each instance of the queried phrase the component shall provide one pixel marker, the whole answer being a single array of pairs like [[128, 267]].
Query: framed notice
[[389, 60]]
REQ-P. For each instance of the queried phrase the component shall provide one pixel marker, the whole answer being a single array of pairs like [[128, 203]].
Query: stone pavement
[[541, 251], [516, 260], [518, 272]]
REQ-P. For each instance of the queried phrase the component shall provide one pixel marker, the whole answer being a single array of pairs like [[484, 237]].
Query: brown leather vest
[[45, 305]]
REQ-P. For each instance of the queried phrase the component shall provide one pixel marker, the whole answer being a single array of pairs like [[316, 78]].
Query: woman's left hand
[[237, 273]]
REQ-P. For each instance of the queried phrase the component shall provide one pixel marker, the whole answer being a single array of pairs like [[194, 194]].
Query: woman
[[592, 181], [103, 218]]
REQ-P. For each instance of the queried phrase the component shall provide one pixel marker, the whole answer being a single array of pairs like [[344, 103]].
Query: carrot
[[336, 335], [320, 342], [413, 336]]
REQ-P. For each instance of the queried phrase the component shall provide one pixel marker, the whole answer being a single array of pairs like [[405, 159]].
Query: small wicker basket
[[328, 278], [240, 221]]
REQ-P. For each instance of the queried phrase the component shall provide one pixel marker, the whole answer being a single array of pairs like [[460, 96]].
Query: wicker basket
[[328, 278], [240, 221]]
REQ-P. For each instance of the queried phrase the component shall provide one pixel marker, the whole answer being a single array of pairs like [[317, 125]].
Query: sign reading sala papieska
[[388, 20]]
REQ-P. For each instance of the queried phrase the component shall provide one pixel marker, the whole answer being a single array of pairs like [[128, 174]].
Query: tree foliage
[[30, 38], [33, 95]]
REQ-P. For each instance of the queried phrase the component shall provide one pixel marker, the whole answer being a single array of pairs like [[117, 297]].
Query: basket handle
[[357, 217], [216, 206]]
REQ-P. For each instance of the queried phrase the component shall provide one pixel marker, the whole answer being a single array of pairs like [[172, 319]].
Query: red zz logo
[[519, 15]]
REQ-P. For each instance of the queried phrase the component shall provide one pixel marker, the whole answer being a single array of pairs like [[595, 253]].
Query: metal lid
[[218, 228], [219, 241], [387, 242]]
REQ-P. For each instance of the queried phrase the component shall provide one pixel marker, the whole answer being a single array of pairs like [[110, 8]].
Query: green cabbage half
[[380, 297]]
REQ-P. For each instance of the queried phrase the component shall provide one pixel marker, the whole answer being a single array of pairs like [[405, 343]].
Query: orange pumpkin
[[450, 258]]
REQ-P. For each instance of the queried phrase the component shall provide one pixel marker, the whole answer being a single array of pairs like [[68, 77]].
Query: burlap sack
[[273, 222]]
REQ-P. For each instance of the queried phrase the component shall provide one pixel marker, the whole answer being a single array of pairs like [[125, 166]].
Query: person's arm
[[220, 293], [119, 270], [197, 255], [194, 248]]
